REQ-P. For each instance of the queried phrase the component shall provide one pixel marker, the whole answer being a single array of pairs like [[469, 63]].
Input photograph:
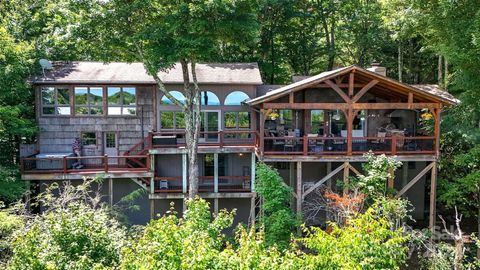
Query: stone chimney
[[378, 69]]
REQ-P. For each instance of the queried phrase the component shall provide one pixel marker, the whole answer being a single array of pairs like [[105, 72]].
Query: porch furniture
[[164, 140], [163, 184], [289, 143]]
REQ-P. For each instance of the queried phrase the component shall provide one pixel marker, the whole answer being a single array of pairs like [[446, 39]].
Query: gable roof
[[433, 91], [135, 73]]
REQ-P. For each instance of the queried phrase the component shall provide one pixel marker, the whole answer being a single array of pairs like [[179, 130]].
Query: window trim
[[88, 145], [122, 106], [55, 105]]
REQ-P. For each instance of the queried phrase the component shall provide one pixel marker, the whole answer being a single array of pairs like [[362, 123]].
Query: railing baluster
[[105, 161]]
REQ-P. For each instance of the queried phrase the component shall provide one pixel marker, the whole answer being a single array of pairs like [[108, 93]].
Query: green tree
[[278, 219], [162, 33], [169, 242]]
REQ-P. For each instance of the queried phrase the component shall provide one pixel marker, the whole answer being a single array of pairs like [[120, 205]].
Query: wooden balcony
[[53, 168], [207, 184]]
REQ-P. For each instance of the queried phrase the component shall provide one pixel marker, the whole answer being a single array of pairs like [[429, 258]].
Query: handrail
[[219, 138], [97, 163]]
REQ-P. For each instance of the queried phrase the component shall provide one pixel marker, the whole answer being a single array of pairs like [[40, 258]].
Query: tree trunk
[[478, 232], [440, 72], [400, 62], [445, 80]]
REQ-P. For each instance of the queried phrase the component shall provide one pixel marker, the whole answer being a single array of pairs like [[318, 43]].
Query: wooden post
[[110, 191], [346, 175], [433, 198], [64, 164], [349, 131], [394, 144], [329, 170], [220, 134], [252, 212], [291, 181], [184, 173], [215, 206], [299, 188], [152, 168], [262, 131], [215, 173], [305, 145], [152, 209], [350, 84], [253, 172], [437, 113]]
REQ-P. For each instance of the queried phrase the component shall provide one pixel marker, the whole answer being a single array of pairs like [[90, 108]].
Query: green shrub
[[366, 242], [169, 242], [74, 237], [278, 220], [8, 224]]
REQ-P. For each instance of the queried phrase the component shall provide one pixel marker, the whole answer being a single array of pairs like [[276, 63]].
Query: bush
[[278, 220], [366, 242], [8, 224], [75, 237], [193, 242]]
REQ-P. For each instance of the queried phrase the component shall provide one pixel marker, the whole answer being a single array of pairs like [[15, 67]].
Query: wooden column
[[299, 188], [252, 212], [346, 175], [437, 113], [215, 206], [110, 191], [349, 130], [152, 179], [184, 173], [329, 170], [262, 131], [215, 173], [433, 198], [152, 209], [253, 172], [291, 181]]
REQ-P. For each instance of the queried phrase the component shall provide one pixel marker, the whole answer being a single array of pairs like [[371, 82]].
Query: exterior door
[[210, 125], [110, 143]]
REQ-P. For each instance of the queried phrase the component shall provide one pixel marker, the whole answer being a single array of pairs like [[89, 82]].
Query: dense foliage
[[277, 218]]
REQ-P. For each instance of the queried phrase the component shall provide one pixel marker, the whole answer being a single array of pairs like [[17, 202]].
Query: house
[[314, 131]]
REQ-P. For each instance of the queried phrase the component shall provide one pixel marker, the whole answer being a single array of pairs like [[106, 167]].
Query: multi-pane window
[[89, 138], [286, 118], [172, 120], [121, 101], [237, 120], [88, 100], [55, 101]]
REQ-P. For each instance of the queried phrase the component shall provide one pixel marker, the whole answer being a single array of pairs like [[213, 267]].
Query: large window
[[237, 120], [286, 118], [177, 95], [236, 98], [209, 98], [88, 100], [172, 120], [55, 101], [317, 121], [121, 101]]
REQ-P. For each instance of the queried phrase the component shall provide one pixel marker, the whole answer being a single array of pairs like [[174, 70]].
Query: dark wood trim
[[356, 106], [338, 90], [364, 90]]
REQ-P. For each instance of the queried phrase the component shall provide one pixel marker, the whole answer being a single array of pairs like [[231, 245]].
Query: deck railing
[[169, 184], [138, 163], [223, 138], [394, 145]]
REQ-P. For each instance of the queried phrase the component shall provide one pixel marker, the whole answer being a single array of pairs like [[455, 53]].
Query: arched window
[[236, 98], [178, 95], [209, 98]]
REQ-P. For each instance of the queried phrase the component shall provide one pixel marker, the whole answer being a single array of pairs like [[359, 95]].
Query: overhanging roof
[[135, 73], [432, 91]]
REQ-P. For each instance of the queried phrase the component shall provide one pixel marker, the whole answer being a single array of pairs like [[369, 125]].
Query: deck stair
[[141, 148]]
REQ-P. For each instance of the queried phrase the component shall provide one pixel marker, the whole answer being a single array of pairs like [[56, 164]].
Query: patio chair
[[289, 143]]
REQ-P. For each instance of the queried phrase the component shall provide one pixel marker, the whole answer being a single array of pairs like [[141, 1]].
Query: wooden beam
[[437, 115], [346, 175], [341, 85], [299, 188], [349, 131], [433, 198], [323, 180], [410, 97], [291, 98], [351, 84], [355, 106], [353, 169], [110, 191], [364, 90], [215, 172], [338, 90], [414, 180], [262, 132]]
